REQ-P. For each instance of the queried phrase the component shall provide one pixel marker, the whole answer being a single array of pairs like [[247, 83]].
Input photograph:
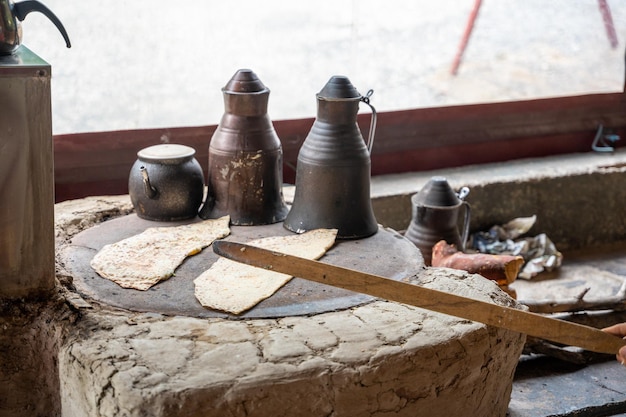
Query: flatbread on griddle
[[141, 261], [234, 287]]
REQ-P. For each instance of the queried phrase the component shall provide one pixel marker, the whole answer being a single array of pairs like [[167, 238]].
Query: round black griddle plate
[[386, 253]]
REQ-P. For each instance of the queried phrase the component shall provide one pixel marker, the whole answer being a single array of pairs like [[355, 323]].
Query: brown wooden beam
[[409, 140], [446, 126]]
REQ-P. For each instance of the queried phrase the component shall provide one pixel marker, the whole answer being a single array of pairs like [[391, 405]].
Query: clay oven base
[[376, 359]]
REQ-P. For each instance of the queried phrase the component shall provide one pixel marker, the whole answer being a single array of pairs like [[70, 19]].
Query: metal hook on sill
[[602, 141]]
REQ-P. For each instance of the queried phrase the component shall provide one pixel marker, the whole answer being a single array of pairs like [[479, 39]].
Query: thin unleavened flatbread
[[143, 260], [235, 287]]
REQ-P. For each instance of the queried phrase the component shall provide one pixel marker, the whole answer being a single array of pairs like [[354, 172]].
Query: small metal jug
[[334, 167], [436, 208], [166, 183], [245, 158]]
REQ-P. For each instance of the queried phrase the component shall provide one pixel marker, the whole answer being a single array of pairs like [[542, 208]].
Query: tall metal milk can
[[334, 167], [245, 158]]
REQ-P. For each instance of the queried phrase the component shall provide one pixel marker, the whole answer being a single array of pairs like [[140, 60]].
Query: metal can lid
[[437, 193], [339, 87], [166, 151], [245, 81]]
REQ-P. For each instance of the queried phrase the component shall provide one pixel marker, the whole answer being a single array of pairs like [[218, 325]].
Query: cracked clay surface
[[378, 359]]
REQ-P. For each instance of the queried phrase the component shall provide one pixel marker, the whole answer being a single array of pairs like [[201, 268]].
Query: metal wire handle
[[370, 137]]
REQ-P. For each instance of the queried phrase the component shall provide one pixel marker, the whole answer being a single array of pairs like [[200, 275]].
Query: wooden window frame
[[88, 164]]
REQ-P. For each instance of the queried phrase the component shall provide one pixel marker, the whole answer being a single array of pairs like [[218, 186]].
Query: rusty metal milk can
[[333, 171], [245, 158]]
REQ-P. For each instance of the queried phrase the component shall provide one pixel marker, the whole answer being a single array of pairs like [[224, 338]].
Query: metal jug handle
[[463, 192], [370, 137], [466, 225]]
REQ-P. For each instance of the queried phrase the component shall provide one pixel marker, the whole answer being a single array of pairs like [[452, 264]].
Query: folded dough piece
[[235, 287], [143, 260]]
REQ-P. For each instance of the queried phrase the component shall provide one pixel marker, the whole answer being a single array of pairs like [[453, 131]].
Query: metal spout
[[21, 9], [150, 191]]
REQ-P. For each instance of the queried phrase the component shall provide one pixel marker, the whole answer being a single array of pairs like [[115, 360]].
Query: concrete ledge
[[578, 198]]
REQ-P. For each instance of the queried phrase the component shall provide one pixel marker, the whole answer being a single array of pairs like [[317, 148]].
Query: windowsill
[[406, 141]]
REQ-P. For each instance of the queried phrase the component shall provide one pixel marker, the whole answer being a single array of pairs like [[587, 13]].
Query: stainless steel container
[[26, 176]]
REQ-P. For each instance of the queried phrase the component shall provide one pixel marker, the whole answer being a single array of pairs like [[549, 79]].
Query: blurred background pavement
[[156, 63]]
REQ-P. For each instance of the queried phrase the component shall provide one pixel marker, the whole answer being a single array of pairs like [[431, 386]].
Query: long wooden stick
[[494, 315]]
